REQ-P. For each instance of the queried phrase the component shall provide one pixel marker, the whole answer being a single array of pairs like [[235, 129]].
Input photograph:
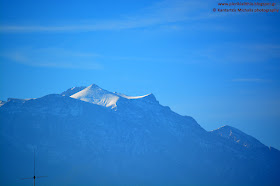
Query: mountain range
[[88, 135]]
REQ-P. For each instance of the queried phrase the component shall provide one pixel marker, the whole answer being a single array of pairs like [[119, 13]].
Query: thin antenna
[[34, 166], [34, 177]]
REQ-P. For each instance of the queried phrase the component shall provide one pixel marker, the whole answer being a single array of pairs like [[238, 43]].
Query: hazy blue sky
[[220, 68]]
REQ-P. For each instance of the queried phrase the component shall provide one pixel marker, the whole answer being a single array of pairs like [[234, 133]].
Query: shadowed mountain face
[[93, 136]]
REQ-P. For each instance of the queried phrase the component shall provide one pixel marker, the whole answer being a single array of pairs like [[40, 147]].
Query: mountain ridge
[[148, 98], [138, 141]]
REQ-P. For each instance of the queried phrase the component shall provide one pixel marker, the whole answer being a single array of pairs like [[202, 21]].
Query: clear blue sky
[[220, 68]]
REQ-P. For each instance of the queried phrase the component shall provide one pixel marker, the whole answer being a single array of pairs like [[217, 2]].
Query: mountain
[[88, 136], [238, 136]]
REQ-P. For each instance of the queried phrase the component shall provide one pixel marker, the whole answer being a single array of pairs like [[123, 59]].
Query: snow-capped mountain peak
[[96, 95]]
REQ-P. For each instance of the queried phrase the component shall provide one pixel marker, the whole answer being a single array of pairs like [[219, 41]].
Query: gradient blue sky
[[220, 68]]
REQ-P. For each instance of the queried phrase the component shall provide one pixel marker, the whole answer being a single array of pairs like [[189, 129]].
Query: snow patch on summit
[[96, 95], [2, 103], [132, 97]]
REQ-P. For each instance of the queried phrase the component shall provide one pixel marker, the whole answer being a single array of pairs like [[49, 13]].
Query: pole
[[34, 167], [34, 177]]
